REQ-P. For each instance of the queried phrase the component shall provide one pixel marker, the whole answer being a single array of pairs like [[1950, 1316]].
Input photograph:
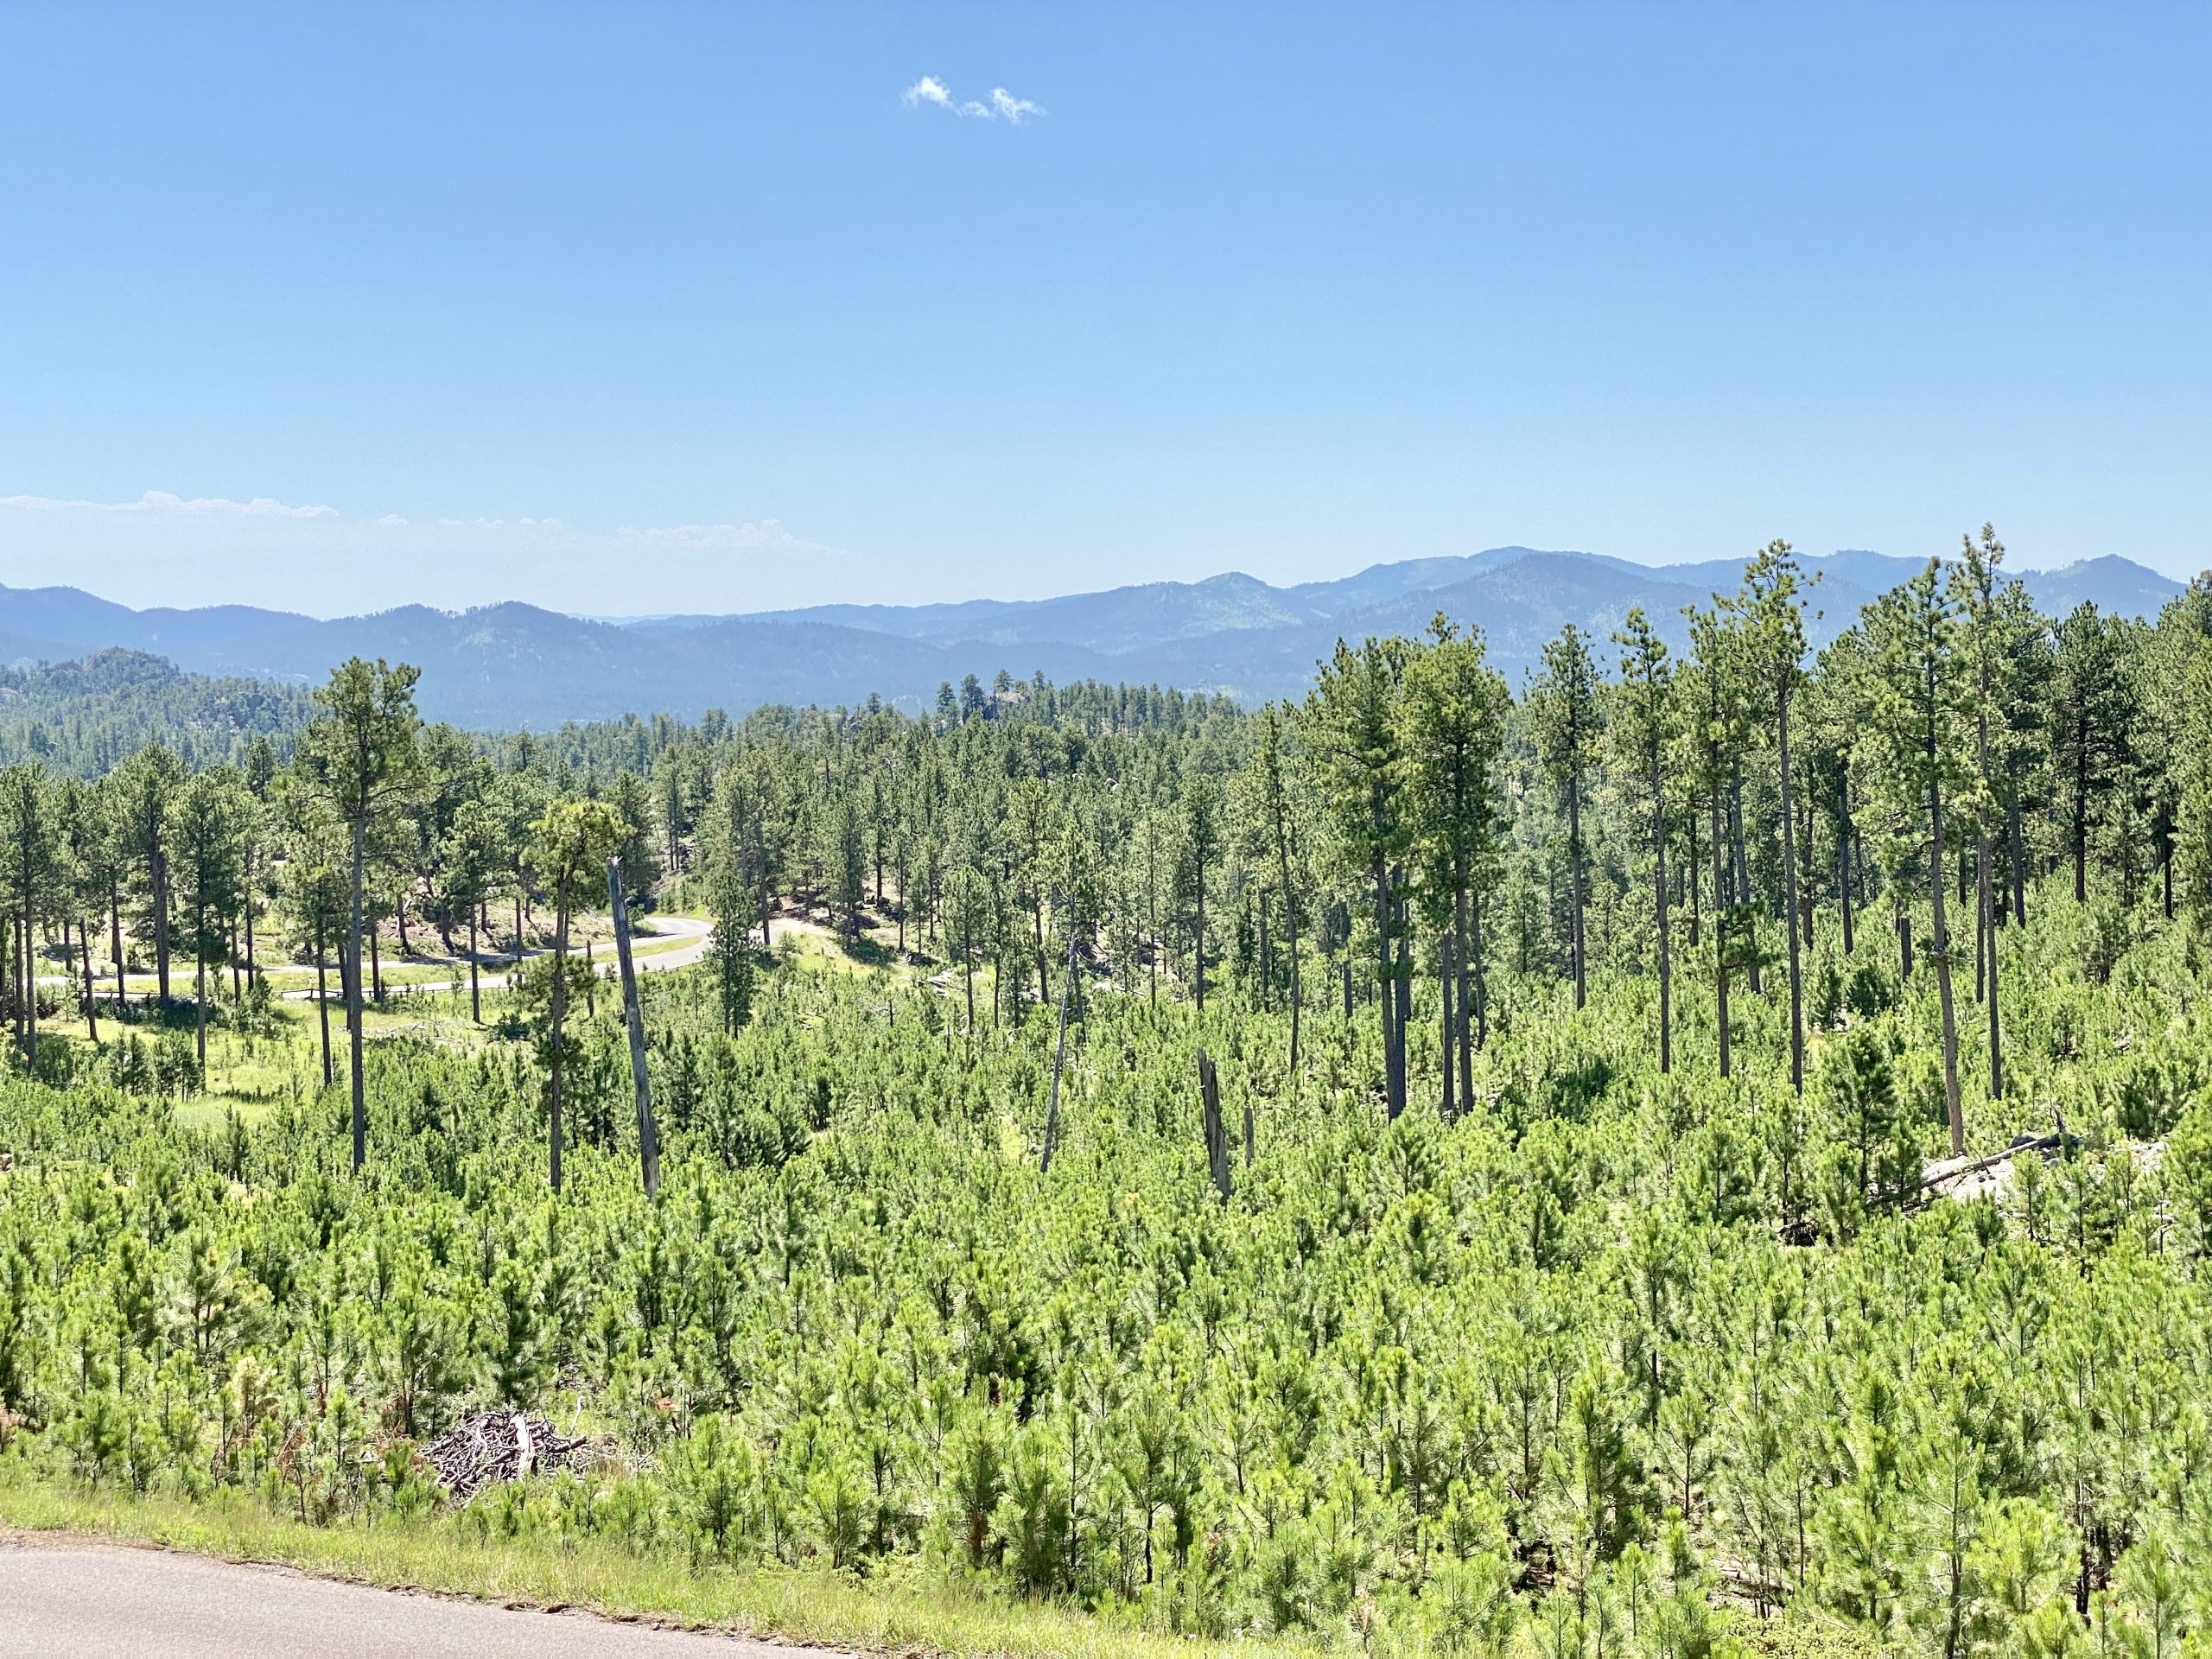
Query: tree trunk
[[1400, 988], [1690, 879], [1463, 962], [1449, 1033], [1482, 982], [1719, 933], [1659, 903], [1290, 939], [556, 1018], [1789, 901], [322, 1001], [1198, 949], [633, 1020], [161, 884], [1988, 920], [115, 942], [1843, 864], [475, 1002], [1943, 950], [1060, 1057], [352, 977], [1574, 882], [1743, 875], [1394, 1069], [199, 996], [91, 1008]]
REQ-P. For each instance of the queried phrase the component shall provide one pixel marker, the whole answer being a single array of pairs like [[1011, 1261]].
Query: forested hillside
[[1708, 1150]]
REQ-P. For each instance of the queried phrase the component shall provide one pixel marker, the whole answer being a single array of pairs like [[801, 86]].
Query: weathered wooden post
[[1217, 1135], [648, 1132]]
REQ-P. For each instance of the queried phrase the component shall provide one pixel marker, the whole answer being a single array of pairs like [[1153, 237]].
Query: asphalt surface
[[65, 1597], [697, 936]]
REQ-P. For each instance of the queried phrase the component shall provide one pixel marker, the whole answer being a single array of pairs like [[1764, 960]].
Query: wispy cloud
[[1004, 105], [766, 536], [162, 502]]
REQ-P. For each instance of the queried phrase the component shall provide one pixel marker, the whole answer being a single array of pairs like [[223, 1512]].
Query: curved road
[[63, 1597], [696, 935]]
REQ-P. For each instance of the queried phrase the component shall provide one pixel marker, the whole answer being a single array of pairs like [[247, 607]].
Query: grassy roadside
[[906, 1613]]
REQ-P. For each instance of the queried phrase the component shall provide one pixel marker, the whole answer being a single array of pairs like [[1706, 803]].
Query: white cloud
[[928, 90], [161, 501], [766, 536], [1003, 106]]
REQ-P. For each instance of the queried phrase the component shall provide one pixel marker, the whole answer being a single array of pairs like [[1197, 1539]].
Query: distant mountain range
[[514, 664]]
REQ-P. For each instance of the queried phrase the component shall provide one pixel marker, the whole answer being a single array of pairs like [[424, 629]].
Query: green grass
[[913, 1612]]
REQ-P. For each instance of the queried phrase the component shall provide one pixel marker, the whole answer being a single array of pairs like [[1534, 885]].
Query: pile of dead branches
[[497, 1446]]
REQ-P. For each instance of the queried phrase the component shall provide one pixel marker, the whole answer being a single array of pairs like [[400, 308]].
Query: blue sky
[[629, 308]]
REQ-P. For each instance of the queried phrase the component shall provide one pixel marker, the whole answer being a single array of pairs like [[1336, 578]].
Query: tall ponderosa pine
[[145, 788], [1774, 641], [1271, 808], [1454, 722], [31, 874], [1201, 850], [1717, 720], [1568, 720], [1996, 620], [2090, 723], [360, 753], [1917, 715], [573, 840], [1349, 730], [1645, 731], [207, 854]]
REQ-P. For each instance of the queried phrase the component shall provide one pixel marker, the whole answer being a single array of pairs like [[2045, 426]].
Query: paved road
[[62, 1599], [696, 935]]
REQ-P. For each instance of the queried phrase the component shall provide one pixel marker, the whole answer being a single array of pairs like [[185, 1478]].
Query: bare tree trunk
[[1444, 968], [160, 884], [1574, 882], [91, 1008], [200, 989], [1843, 866], [1942, 949], [115, 942], [558, 1014], [353, 1004], [1215, 1134], [1290, 940], [1789, 903], [1394, 1069], [1719, 934], [633, 1020], [1659, 901], [322, 1001]]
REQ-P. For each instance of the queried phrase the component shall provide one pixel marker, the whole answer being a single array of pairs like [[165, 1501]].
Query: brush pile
[[498, 1446]]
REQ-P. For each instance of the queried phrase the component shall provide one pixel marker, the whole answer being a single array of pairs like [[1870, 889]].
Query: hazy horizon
[[220, 601]]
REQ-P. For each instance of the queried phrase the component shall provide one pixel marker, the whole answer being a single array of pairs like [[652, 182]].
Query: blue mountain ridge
[[513, 664]]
